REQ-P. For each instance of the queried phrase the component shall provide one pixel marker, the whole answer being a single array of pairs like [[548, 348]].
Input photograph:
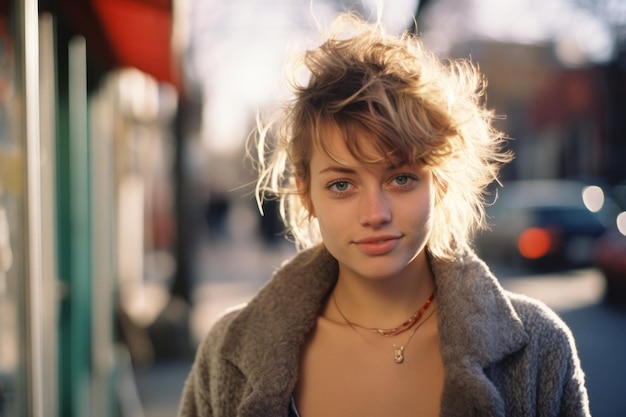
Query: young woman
[[381, 162]]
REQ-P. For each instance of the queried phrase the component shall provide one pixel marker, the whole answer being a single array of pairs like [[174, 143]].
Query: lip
[[377, 245]]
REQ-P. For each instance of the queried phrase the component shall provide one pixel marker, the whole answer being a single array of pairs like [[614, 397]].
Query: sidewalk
[[227, 272], [160, 387]]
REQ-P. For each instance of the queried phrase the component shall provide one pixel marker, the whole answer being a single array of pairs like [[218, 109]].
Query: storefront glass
[[13, 261]]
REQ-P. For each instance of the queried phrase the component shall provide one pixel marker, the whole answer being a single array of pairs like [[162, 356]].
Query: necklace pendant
[[398, 355]]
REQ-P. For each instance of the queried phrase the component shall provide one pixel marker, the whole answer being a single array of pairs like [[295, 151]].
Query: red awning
[[127, 33]]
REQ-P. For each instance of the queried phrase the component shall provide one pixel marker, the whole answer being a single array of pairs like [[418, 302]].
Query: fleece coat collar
[[477, 327]]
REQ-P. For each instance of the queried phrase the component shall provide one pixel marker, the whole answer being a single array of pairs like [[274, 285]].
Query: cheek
[[330, 218], [435, 202], [425, 205], [432, 206], [422, 215], [332, 230]]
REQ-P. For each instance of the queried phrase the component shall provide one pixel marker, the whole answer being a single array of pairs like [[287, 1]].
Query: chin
[[378, 272]]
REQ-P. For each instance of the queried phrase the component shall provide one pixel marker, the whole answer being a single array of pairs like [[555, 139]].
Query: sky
[[237, 48], [578, 35]]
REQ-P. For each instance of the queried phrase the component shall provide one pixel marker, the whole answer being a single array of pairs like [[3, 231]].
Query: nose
[[375, 208]]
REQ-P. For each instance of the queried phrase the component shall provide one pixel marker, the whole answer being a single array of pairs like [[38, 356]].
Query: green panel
[[80, 213], [74, 240]]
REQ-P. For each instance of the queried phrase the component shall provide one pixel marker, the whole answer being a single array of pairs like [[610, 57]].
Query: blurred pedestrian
[[381, 163]]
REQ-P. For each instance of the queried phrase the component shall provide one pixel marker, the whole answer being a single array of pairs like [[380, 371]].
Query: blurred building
[[89, 96], [555, 116], [555, 73]]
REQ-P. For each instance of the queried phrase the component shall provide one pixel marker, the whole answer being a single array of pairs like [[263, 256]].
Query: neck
[[382, 302]]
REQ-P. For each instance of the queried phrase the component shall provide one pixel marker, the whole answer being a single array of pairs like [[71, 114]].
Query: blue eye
[[339, 186], [402, 179]]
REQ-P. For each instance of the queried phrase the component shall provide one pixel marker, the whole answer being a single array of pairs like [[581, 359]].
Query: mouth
[[377, 245]]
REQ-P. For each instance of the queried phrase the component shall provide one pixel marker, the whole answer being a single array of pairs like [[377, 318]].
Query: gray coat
[[503, 354]]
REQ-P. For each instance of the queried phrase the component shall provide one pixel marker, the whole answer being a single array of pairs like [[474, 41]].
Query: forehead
[[351, 145]]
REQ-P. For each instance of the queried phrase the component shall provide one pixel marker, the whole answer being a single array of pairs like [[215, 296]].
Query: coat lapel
[[478, 327], [274, 326]]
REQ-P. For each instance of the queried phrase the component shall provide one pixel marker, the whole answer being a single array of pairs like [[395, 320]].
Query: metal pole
[[27, 11]]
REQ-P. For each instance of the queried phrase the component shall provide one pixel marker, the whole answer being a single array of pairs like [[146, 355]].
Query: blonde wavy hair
[[415, 108]]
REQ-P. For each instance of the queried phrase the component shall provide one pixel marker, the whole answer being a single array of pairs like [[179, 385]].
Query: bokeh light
[[621, 222], [593, 197]]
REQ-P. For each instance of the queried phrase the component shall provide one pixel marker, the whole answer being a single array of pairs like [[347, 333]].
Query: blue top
[[293, 411]]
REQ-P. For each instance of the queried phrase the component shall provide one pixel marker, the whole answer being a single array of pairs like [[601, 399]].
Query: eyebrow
[[346, 170], [339, 169]]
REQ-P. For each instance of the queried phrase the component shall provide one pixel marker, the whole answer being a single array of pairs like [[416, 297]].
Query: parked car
[[543, 225]]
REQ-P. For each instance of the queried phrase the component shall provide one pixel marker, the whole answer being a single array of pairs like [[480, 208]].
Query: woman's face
[[374, 219]]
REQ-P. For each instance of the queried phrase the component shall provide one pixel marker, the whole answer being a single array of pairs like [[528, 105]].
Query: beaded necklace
[[398, 356]]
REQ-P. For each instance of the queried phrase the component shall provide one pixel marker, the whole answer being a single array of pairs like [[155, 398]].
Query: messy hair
[[415, 110]]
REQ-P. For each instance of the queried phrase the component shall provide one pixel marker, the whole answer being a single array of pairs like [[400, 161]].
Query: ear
[[305, 197]]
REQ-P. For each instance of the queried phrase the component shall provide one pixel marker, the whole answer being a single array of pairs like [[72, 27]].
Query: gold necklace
[[398, 354], [406, 325]]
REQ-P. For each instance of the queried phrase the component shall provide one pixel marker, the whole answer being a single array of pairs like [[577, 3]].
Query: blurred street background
[[127, 220]]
